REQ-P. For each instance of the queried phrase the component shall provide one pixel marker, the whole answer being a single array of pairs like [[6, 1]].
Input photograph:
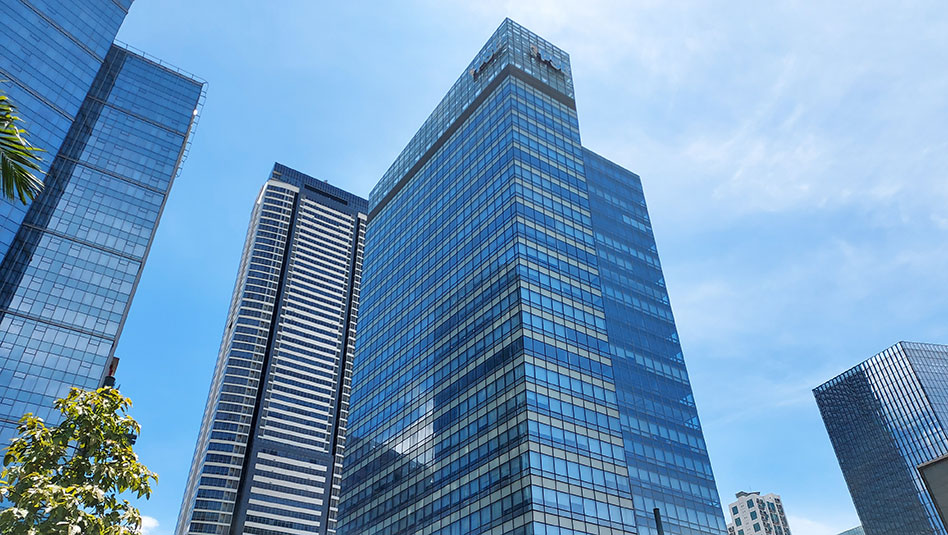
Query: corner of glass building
[[865, 409]]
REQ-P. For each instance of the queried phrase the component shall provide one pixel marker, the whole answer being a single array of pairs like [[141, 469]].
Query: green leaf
[[62, 478]]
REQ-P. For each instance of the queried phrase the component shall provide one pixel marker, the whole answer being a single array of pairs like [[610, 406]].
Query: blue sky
[[794, 157]]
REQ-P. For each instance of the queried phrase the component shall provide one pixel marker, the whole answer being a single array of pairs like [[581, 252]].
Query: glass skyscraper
[[885, 418], [115, 126], [269, 454], [517, 368]]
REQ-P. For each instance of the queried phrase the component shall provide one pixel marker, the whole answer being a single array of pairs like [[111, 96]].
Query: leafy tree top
[[66, 479]]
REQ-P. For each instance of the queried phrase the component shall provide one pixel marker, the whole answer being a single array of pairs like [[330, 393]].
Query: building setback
[[517, 368], [269, 451], [115, 126], [753, 514], [885, 418]]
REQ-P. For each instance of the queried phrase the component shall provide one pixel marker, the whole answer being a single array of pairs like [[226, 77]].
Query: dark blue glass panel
[[93, 23]]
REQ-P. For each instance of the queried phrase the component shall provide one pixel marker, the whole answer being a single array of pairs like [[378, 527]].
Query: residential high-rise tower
[[269, 452], [115, 126], [886, 417], [756, 514], [518, 368]]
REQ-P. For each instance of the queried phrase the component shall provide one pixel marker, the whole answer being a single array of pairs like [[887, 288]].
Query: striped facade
[[269, 452]]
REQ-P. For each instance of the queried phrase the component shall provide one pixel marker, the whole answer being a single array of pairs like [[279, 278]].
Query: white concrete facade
[[754, 514]]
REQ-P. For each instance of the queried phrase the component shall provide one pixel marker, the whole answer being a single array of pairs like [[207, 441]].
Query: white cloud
[[775, 328], [149, 525], [760, 107]]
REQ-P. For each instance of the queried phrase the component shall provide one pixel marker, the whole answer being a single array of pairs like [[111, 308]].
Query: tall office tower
[[753, 514], [885, 418], [517, 369], [115, 126], [855, 531], [269, 452]]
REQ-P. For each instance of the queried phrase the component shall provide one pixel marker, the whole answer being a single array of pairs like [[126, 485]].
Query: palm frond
[[18, 158]]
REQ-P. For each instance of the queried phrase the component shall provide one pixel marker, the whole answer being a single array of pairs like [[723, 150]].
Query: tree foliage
[[18, 159], [66, 479]]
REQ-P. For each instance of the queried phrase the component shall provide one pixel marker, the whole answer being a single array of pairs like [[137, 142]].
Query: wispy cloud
[[149, 525], [762, 107]]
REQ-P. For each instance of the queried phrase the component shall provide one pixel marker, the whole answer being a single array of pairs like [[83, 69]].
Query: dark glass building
[[269, 454], [885, 418], [517, 368], [115, 126]]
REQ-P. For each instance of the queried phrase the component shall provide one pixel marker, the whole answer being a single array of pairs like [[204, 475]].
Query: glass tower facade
[[664, 444], [269, 453], [50, 53], [885, 417], [517, 370], [115, 126]]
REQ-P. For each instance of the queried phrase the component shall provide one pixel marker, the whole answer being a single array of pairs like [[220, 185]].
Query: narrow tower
[[269, 452]]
